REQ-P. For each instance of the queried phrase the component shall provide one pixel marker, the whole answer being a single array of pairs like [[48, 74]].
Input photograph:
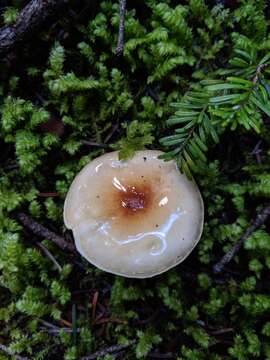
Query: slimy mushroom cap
[[135, 218]]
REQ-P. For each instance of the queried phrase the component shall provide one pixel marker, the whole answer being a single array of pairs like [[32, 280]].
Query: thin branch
[[43, 232], [49, 255], [65, 322], [221, 331], [120, 43], [109, 350], [258, 222], [259, 70], [33, 15], [47, 324], [212, 330], [114, 129], [94, 305], [57, 331], [53, 329], [11, 353], [48, 194], [93, 143]]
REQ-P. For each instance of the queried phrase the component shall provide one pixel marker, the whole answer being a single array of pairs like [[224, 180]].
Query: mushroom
[[135, 218]]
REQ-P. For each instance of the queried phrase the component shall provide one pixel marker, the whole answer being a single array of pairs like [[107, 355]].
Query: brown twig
[[49, 255], [11, 353], [57, 331], [42, 231], [258, 222], [109, 350], [32, 16], [93, 143], [221, 331], [47, 324], [94, 305], [65, 322], [122, 12], [48, 194], [111, 133], [259, 70]]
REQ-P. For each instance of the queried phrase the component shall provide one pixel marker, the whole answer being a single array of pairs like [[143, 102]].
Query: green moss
[[71, 99]]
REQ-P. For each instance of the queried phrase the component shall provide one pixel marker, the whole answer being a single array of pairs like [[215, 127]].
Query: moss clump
[[65, 99]]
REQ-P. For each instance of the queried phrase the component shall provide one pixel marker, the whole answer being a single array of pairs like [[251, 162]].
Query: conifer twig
[[42, 231], [109, 350], [11, 353], [257, 223], [32, 16], [122, 12], [259, 70]]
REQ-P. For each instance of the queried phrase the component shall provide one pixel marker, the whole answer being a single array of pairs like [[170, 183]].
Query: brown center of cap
[[132, 201], [132, 197], [135, 198]]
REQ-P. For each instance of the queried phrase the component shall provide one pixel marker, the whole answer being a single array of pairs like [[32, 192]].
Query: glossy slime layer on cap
[[135, 218]]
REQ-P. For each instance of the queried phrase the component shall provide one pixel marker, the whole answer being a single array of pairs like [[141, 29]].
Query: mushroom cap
[[135, 218]]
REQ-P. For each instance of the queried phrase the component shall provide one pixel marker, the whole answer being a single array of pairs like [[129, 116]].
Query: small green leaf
[[225, 99], [265, 59], [225, 86], [178, 120], [263, 107]]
